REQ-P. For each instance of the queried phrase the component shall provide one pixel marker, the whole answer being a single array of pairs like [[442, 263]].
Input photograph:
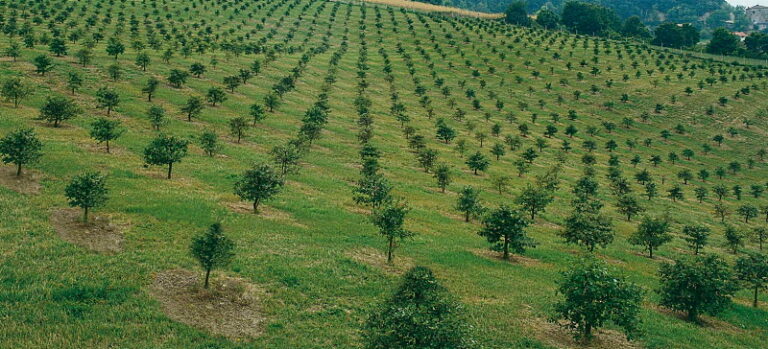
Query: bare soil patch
[[558, 336], [265, 211], [378, 259], [98, 234], [498, 256], [27, 183], [229, 307]]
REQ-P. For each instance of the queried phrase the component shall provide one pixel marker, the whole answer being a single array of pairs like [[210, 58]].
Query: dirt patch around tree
[[27, 183], [498, 256], [556, 335], [100, 234], [229, 307], [378, 260], [265, 211]]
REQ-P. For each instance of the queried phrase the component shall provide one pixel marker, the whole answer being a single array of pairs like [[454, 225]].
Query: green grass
[[56, 294]]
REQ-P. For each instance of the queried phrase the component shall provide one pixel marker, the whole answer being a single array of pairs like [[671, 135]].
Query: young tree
[[594, 295], [258, 184], [505, 229], [13, 50], [589, 228], [177, 77], [748, 212], [105, 130], [734, 239], [469, 203], [212, 250], [697, 285], [696, 236], [651, 233], [752, 271], [43, 64], [57, 109], [760, 234], [373, 190], [442, 174], [74, 81], [216, 95], [142, 60], [20, 147], [165, 150], [209, 141], [115, 47], [444, 132], [477, 162], [197, 69], [237, 127], [150, 88], [389, 219], [257, 112], [87, 191], [15, 90], [629, 206], [421, 314], [286, 156], [107, 98], [156, 115], [193, 107], [534, 199]]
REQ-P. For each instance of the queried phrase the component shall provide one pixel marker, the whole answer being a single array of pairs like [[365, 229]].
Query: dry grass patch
[[421, 6], [27, 183], [99, 234], [378, 260], [230, 307]]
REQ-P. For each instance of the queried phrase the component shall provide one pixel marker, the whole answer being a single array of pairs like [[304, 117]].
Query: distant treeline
[[591, 19], [706, 15]]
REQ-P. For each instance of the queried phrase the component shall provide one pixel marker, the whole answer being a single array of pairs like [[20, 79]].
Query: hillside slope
[[312, 254]]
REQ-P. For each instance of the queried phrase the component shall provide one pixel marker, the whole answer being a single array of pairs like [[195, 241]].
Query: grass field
[[312, 254]]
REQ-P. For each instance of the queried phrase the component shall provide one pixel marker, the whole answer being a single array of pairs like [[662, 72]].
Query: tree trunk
[[754, 302], [107, 147], [85, 214], [506, 249], [466, 216], [18, 171], [389, 250], [207, 275], [256, 206], [170, 168], [650, 251]]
